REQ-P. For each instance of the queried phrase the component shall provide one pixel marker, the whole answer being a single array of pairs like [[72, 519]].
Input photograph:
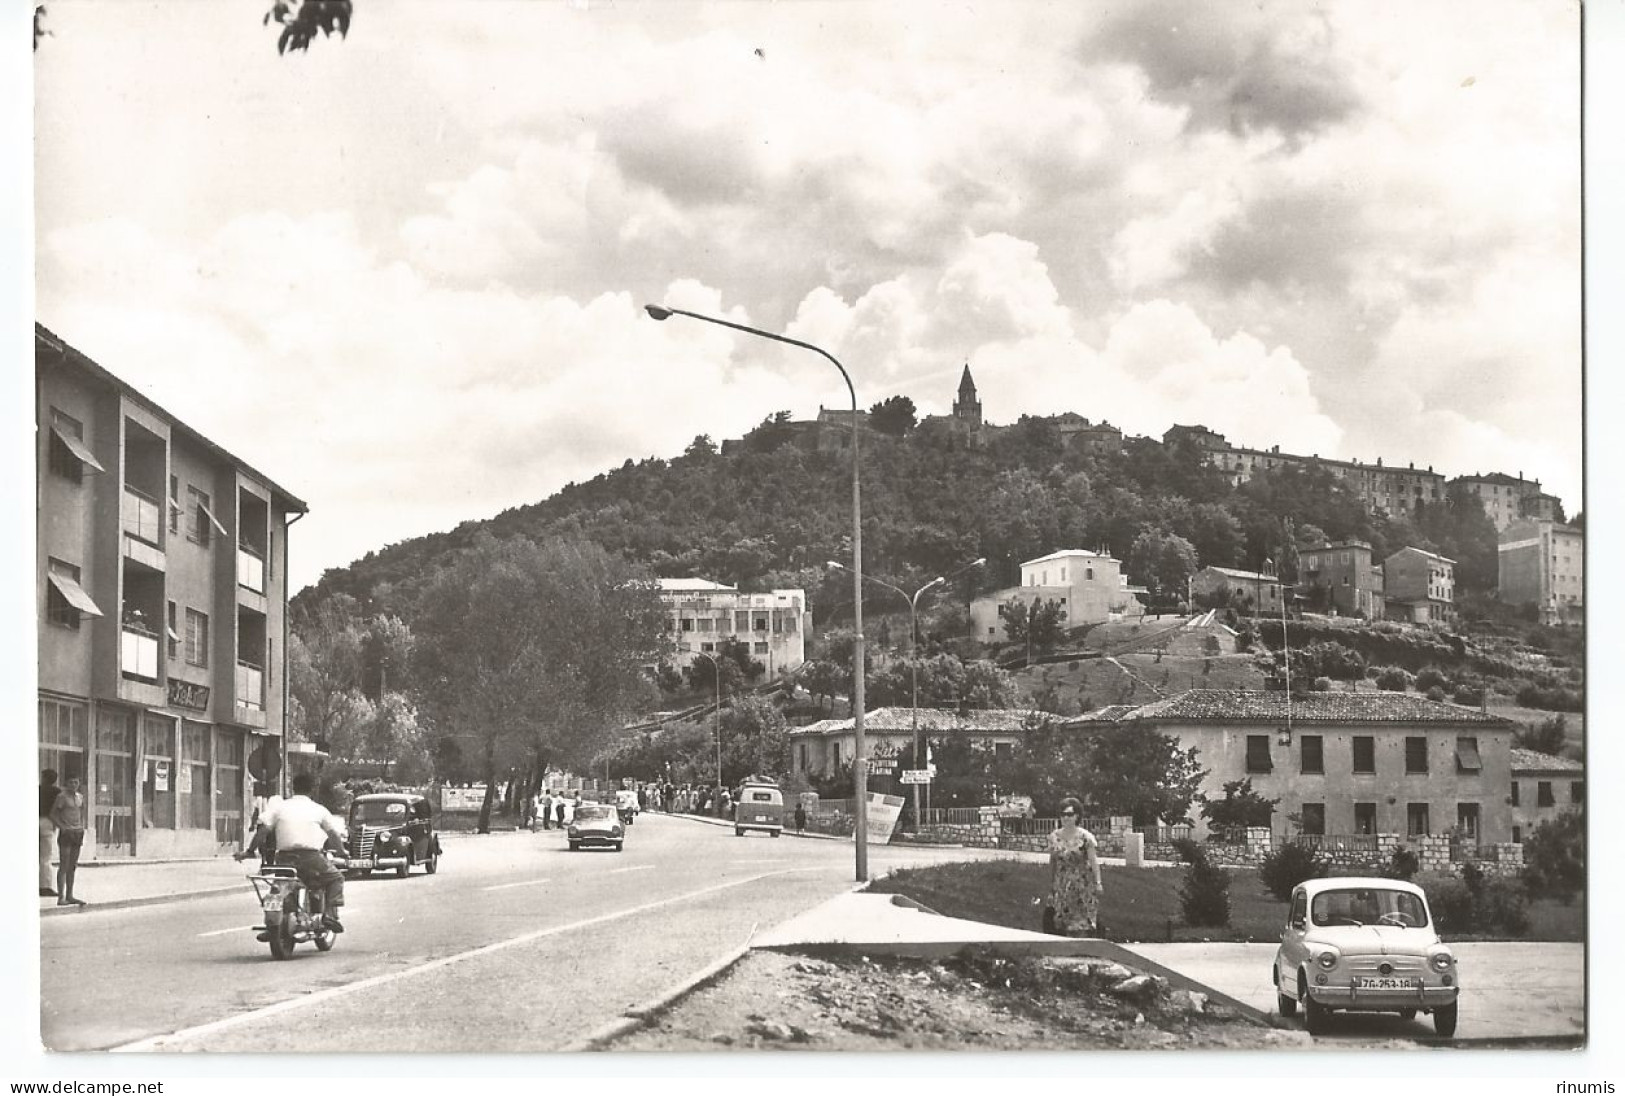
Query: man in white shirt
[[300, 827]]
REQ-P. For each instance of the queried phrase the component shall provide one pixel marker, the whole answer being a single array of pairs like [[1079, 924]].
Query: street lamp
[[1286, 645], [860, 774], [914, 654], [716, 713]]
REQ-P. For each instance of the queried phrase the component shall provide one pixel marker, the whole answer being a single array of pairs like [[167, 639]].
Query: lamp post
[[913, 654], [860, 775], [1286, 645], [716, 712]]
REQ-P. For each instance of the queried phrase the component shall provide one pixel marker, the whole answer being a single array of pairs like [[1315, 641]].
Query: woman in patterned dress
[[1074, 863]]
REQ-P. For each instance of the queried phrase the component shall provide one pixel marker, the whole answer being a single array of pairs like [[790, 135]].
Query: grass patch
[[1139, 904]]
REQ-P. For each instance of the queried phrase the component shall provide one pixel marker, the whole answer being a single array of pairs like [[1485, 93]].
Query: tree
[[324, 671], [532, 652], [1162, 561], [1548, 737], [1241, 806], [1555, 857], [894, 416], [755, 740], [301, 20], [701, 447], [945, 681], [1036, 624], [1121, 770]]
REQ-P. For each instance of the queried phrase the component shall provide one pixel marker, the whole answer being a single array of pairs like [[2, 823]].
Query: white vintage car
[[1361, 944]]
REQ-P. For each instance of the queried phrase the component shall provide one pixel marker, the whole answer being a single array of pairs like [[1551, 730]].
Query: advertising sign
[[883, 813], [461, 799], [915, 776], [160, 776], [882, 766]]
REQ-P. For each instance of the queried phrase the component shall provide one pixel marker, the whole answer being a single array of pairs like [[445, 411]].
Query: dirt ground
[[981, 1002]]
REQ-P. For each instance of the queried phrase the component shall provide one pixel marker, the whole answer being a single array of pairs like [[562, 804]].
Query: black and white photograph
[[587, 532]]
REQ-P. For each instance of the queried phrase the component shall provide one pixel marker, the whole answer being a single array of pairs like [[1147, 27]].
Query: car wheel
[[618, 846], [1407, 1014], [575, 846], [1314, 1013], [775, 833], [1444, 1021], [401, 870], [739, 831], [431, 865]]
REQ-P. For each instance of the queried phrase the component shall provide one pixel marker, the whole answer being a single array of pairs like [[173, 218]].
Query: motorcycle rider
[[300, 827]]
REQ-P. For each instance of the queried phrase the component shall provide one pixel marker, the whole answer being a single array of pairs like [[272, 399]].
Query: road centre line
[[222, 932], [521, 883], [637, 867], [164, 1042]]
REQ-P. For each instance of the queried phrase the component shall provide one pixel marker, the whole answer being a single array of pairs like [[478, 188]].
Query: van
[[760, 807]]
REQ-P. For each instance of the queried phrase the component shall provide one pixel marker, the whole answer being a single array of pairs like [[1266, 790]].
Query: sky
[[403, 275]]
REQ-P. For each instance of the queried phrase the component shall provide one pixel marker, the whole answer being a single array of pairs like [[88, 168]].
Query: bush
[[1241, 806], [1553, 698], [1393, 679], [1502, 906], [1321, 685], [1286, 867], [1451, 901], [1468, 694], [1402, 864], [1431, 678], [1436, 694], [1554, 858], [1204, 897]]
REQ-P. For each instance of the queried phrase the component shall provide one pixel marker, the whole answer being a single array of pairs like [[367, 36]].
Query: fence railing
[[950, 816], [1337, 842], [1162, 835], [1038, 827], [833, 806]]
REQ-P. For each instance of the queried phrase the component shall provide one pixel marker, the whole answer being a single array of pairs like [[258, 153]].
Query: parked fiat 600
[[392, 830], [1364, 945]]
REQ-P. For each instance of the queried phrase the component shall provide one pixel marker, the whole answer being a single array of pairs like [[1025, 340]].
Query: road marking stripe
[[779, 860], [637, 867], [222, 932], [163, 1042], [525, 883]]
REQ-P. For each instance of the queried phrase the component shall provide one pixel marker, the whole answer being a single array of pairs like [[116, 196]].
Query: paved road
[[1511, 990], [516, 945]]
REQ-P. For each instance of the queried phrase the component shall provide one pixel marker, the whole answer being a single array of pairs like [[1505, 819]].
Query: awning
[[173, 637], [78, 448], [214, 521], [75, 594], [1467, 755]]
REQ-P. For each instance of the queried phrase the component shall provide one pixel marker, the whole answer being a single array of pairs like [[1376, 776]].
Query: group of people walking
[[62, 824]]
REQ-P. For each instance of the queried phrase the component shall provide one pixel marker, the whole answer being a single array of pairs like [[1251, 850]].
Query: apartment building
[[1419, 587], [702, 616], [1507, 499], [1341, 578], [1345, 763], [1542, 563], [1089, 586], [162, 591]]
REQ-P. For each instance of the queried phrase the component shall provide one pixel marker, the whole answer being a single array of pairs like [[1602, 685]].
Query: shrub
[[1430, 678], [1554, 857], [1502, 905], [1286, 867], [1451, 901], [1552, 698], [1468, 694], [1321, 685], [1241, 806], [1402, 864], [1436, 694], [1204, 897], [1393, 679]]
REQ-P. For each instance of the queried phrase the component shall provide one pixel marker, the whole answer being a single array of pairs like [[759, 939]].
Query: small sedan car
[[392, 830], [1359, 944], [596, 824]]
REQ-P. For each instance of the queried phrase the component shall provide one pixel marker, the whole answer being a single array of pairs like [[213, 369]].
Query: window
[[1577, 791], [688, 624], [1416, 819], [1467, 760], [1467, 821], [1365, 818], [1312, 818], [1543, 794], [174, 504], [1513, 799], [1517, 835], [1365, 754], [759, 648], [197, 638], [69, 456], [174, 637], [198, 518], [1258, 753], [1312, 760], [65, 600], [835, 752], [1416, 754]]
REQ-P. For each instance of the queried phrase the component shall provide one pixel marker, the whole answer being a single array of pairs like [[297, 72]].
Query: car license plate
[[1385, 983]]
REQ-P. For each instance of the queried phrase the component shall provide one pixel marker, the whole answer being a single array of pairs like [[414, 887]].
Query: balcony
[[138, 652], [141, 516], [250, 688], [250, 569]]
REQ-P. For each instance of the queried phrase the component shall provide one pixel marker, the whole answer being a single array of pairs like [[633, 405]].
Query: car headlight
[[616, 831], [1441, 961], [573, 832], [402, 840], [1327, 960]]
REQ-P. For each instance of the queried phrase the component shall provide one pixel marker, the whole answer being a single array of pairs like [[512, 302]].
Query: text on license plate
[[1385, 983]]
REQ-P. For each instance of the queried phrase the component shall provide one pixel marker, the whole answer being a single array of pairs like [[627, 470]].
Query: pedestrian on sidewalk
[[1074, 876], [546, 809], [48, 791], [801, 817], [558, 810], [69, 815]]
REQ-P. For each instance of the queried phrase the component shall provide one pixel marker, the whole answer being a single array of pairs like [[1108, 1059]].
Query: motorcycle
[[293, 912]]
